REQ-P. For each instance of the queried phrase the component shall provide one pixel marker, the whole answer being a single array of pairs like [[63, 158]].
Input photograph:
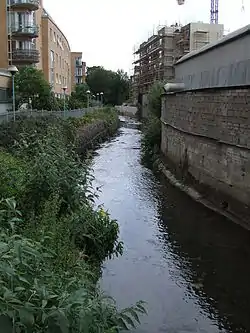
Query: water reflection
[[212, 254], [189, 264]]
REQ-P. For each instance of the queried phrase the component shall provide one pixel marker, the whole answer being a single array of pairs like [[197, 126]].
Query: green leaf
[[128, 320], [21, 278], [44, 303], [17, 289], [134, 314]]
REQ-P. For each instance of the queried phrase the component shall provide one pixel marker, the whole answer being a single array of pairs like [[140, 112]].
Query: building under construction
[[155, 59], [156, 56], [194, 36]]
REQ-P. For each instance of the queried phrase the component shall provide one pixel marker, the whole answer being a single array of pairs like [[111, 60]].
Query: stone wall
[[208, 133]]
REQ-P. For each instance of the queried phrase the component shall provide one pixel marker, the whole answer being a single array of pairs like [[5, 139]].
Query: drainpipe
[[174, 87]]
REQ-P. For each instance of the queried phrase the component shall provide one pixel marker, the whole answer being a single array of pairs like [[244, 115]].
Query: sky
[[106, 31]]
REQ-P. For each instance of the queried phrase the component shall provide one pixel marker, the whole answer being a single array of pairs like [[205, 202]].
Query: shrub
[[36, 295], [151, 137], [96, 234], [50, 256], [151, 140], [12, 177]]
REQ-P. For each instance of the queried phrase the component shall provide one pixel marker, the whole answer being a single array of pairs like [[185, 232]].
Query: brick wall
[[212, 129]]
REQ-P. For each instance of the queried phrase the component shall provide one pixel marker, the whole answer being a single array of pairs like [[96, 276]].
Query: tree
[[114, 85], [30, 84], [78, 98]]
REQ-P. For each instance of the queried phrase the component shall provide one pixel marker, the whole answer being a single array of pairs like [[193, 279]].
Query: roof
[[4, 72], [225, 40]]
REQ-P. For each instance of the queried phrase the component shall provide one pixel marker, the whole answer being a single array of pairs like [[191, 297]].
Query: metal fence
[[8, 116]]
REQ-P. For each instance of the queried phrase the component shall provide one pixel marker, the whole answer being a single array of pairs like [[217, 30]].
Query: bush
[[36, 296], [151, 140], [12, 134], [96, 234], [51, 254], [151, 137], [12, 176]]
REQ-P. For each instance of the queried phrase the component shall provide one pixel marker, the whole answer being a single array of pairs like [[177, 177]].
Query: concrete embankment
[[206, 125]]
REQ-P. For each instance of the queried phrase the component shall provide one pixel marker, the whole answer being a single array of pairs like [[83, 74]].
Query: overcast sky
[[107, 30]]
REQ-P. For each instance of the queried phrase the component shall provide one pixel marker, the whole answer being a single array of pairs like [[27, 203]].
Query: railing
[[24, 30], [25, 55], [33, 3], [78, 113]]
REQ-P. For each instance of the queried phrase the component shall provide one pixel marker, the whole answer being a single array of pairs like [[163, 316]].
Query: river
[[191, 266]]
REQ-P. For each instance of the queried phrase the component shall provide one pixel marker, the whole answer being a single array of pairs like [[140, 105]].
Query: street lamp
[[13, 70], [88, 93], [64, 102], [101, 93]]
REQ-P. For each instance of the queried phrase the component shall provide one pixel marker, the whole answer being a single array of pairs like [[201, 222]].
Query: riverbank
[[180, 177], [53, 239]]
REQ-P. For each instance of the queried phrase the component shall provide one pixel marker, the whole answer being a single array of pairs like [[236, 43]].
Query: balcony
[[25, 56], [24, 4], [78, 63], [28, 31]]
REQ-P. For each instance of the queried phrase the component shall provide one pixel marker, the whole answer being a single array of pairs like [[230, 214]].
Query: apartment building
[[29, 36], [194, 36], [78, 69], [5, 81], [19, 35], [56, 56], [156, 56]]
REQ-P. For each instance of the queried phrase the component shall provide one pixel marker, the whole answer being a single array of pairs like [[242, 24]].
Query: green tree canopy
[[78, 98], [114, 85], [30, 84]]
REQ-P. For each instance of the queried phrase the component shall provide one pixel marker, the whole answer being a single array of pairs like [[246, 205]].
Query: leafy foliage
[[114, 85], [12, 177], [50, 254], [78, 98], [151, 139], [37, 297], [30, 83]]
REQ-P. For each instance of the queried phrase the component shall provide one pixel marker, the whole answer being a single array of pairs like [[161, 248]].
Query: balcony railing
[[24, 31], [25, 56], [24, 4], [78, 63]]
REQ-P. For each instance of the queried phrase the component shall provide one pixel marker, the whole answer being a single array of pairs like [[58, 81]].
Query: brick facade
[[210, 130]]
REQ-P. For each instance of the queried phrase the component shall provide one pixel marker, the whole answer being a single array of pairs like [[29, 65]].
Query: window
[[60, 61], [52, 59], [56, 78], [54, 37], [4, 95], [60, 79], [52, 76], [51, 34], [57, 59]]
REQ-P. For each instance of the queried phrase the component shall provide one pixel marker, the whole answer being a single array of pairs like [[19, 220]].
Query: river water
[[191, 266]]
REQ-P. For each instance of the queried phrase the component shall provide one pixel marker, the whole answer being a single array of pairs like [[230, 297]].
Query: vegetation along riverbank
[[52, 240]]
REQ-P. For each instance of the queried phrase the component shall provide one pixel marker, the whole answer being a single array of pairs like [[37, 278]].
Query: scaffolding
[[155, 58]]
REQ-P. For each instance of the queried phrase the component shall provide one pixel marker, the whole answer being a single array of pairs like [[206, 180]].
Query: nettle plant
[[36, 297]]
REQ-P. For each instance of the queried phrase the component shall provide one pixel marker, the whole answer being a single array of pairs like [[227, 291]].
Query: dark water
[[191, 266]]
